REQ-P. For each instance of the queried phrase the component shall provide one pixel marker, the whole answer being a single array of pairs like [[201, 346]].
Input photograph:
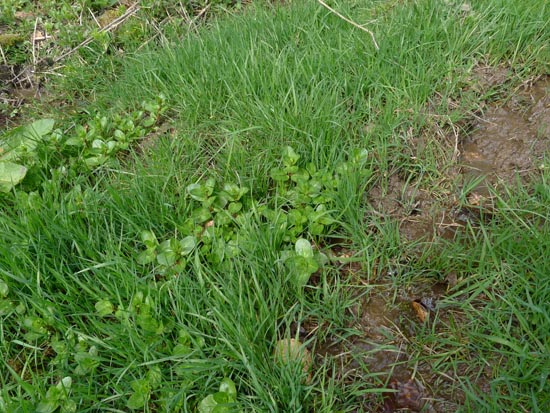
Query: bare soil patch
[[505, 143], [510, 140]]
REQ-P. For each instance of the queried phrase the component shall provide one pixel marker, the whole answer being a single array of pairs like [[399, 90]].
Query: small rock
[[409, 395], [291, 350]]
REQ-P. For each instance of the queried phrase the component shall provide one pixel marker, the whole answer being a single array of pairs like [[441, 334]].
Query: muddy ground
[[504, 144]]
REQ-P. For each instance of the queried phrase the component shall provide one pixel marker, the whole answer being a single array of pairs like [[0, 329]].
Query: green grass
[[240, 91]]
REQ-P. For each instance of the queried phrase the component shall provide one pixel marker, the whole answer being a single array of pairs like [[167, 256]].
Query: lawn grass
[[77, 303]]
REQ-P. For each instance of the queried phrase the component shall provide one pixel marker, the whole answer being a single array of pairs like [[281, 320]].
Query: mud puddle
[[507, 144], [510, 141]]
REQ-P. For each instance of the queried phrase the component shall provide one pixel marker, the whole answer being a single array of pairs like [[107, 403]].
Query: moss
[[9, 39]]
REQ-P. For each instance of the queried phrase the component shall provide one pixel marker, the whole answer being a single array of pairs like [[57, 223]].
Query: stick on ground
[[350, 22]]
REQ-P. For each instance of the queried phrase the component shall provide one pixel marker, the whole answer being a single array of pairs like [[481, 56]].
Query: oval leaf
[[10, 175], [227, 386], [41, 128], [303, 248]]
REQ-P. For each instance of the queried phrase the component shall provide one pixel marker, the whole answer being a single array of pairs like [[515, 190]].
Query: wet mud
[[419, 214], [504, 145], [379, 356], [510, 141]]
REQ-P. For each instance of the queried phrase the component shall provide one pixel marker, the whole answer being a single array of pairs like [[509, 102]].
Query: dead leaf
[[420, 311], [23, 15], [451, 279]]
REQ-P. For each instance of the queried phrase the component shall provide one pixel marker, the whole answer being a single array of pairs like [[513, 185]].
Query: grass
[[239, 91]]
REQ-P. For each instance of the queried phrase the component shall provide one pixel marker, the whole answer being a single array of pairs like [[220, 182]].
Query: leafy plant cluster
[[31, 153], [223, 401], [77, 355], [217, 226]]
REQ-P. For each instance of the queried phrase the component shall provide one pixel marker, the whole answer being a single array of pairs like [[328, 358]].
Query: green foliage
[[142, 388], [218, 224], [223, 401], [303, 262], [57, 397], [20, 144], [49, 153], [233, 255]]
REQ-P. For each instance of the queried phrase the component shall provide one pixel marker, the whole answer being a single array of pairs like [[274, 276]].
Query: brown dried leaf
[[420, 311]]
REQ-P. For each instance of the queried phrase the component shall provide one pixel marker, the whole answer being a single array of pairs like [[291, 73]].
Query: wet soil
[[379, 355], [420, 214], [504, 144], [510, 141]]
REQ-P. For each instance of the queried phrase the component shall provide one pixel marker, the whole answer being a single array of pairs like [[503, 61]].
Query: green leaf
[[201, 192], [104, 308], [93, 161], [232, 190], [290, 158], [40, 128], [87, 361], [24, 139], [359, 156], [65, 384], [149, 238], [187, 245], [234, 207], [303, 248], [201, 215], [167, 256], [207, 404], [224, 408], [316, 228], [74, 141], [220, 201], [148, 323], [181, 349], [36, 325], [279, 175], [147, 256], [137, 400], [209, 185], [228, 386], [69, 406], [10, 175], [47, 406], [301, 269], [221, 398], [154, 377], [300, 176], [6, 307]]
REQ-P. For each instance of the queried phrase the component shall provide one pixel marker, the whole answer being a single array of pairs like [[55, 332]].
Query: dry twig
[[111, 26], [350, 22]]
